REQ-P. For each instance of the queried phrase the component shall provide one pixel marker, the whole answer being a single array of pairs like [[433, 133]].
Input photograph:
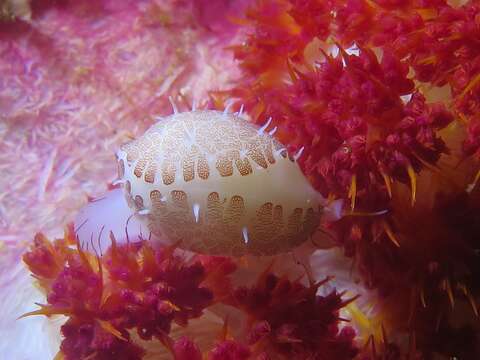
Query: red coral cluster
[[285, 320], [359, 134], [433, 272], [291, 320], [277, 34], [84, 339], [133, 287], [186, 349], [439, 42], [229, 350]]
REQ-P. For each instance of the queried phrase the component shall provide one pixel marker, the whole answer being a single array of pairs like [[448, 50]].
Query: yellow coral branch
[[413, 182], [389, 232], [388, 183], [352, 193]]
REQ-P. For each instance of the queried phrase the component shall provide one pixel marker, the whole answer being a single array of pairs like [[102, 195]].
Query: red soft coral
[[439, 42], [229, 350], [132, 286], [186, 349], [357, 132], [282, 29], [290, 320], [84, 340]]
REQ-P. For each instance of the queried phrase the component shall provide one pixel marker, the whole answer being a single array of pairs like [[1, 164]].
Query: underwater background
[[379, 99]]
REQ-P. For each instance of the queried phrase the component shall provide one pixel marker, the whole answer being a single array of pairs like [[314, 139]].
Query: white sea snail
[[214, 183]]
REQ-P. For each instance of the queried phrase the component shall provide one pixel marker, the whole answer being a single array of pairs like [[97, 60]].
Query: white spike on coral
[[279, 151], [227, 109], [240, 112], [299, 153], [196, 211], [265, 126], [273, 131], [144, 212], [118, 182], [245, 234], [174, 107]]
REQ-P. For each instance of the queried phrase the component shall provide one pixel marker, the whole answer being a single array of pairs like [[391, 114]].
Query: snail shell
[[215, 183]]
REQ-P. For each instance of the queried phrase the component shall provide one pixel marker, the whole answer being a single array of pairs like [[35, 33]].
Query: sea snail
[[214, 183]]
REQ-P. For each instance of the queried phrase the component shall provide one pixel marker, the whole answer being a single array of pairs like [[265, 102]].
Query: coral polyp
[[218, 184]]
